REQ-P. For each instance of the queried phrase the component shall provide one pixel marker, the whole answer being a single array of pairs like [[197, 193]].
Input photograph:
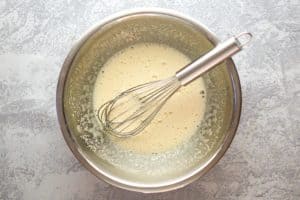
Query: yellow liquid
[[178, 119]]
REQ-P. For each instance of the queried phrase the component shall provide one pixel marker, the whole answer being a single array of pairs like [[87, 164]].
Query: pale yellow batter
[[141, 63]]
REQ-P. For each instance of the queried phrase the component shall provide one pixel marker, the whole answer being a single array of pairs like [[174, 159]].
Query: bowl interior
[[121, 166]]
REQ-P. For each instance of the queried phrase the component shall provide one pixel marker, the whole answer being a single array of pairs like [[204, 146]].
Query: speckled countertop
[[263, 161]]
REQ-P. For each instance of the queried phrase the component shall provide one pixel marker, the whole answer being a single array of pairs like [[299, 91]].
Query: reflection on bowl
[[133, 170]]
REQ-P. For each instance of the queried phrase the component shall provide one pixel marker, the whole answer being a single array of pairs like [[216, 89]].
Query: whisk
[[132, 110]]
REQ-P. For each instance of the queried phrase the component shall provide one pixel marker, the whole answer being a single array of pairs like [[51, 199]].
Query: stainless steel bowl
[[145, 173]]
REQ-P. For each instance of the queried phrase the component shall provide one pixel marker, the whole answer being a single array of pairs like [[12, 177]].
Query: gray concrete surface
[[263, 160]]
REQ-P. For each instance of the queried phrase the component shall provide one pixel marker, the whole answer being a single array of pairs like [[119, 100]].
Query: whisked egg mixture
[[179, 118]]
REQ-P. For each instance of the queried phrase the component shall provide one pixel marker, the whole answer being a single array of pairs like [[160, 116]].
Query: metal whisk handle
[[209, 60]]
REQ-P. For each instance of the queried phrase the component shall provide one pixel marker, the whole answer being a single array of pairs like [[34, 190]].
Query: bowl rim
[[121, 183]]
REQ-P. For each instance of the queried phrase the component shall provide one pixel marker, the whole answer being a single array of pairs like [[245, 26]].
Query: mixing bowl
[[123, 168]]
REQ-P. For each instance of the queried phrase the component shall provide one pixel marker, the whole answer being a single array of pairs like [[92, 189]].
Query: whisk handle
[[215, 56]]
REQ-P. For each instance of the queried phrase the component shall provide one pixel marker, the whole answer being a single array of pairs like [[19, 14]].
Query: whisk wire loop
[[131, 111]]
